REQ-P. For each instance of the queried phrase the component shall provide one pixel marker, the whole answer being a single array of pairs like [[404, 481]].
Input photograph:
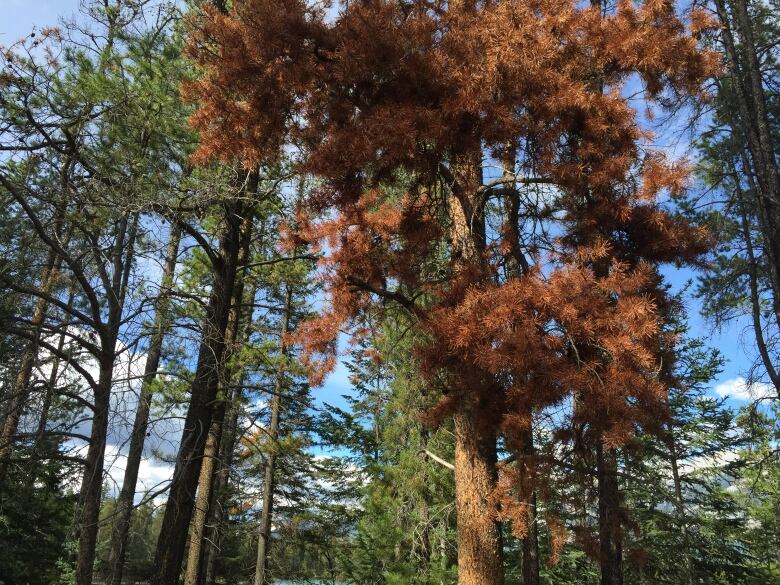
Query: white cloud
[[152, 474], [740, 389]]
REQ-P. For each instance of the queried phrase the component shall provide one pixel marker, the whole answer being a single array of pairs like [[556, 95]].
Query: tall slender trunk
[[610, 521], [753, 124], [181, 497], [516, 266], [92, 482], [755, 299], [269, 485], [221, 478], [530, 544], [192, 570], [20, 393], [124, 506], [679, 503], [193, 573]]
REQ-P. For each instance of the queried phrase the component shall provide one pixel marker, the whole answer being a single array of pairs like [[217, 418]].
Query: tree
[[432, 90], [741, 171]]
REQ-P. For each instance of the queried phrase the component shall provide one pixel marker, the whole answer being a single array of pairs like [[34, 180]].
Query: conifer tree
[[433, 90]]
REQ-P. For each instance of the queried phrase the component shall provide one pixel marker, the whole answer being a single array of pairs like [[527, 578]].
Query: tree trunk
[[92, 481], [181, 497], [193, 572], [221, 479], [610, 521], [20, 393], [679, 504], [266, 516], [752, 123], [124, 505], [530, 544], [480, 545], [43, 419]]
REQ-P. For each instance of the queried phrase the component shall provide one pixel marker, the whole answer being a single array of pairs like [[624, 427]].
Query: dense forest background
[[530, 237]]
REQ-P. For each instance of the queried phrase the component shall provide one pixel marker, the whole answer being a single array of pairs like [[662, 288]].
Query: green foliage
[[35, 523]]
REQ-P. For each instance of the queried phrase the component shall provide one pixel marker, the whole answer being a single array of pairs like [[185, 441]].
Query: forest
[[390, 292]]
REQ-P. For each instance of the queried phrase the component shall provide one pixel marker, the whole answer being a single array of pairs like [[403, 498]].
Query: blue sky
[[735, 342]]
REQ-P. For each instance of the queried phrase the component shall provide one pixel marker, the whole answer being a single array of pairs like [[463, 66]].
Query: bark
[[269, 485], [610, 521], [20, 394], [480, 545], [225, 456], [516, 266], [92, 481], [193, 573], [752, 122], [181, 498], [221, 479], [126, 497], [755, 299]]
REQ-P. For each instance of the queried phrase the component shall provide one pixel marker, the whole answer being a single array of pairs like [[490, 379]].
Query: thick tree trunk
[[221, 478], [126, 497], [480, 545], [193, 573], [269, 485], [610, 520], [181, 497]]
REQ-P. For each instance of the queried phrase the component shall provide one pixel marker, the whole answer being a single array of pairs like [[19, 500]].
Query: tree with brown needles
[[551, 292]]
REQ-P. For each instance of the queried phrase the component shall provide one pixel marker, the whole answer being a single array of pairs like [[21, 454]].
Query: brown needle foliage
[[415, 88]]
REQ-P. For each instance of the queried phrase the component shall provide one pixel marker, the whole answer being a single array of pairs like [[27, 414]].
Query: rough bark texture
[[124, 508], [192, 571], [480, 546]]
